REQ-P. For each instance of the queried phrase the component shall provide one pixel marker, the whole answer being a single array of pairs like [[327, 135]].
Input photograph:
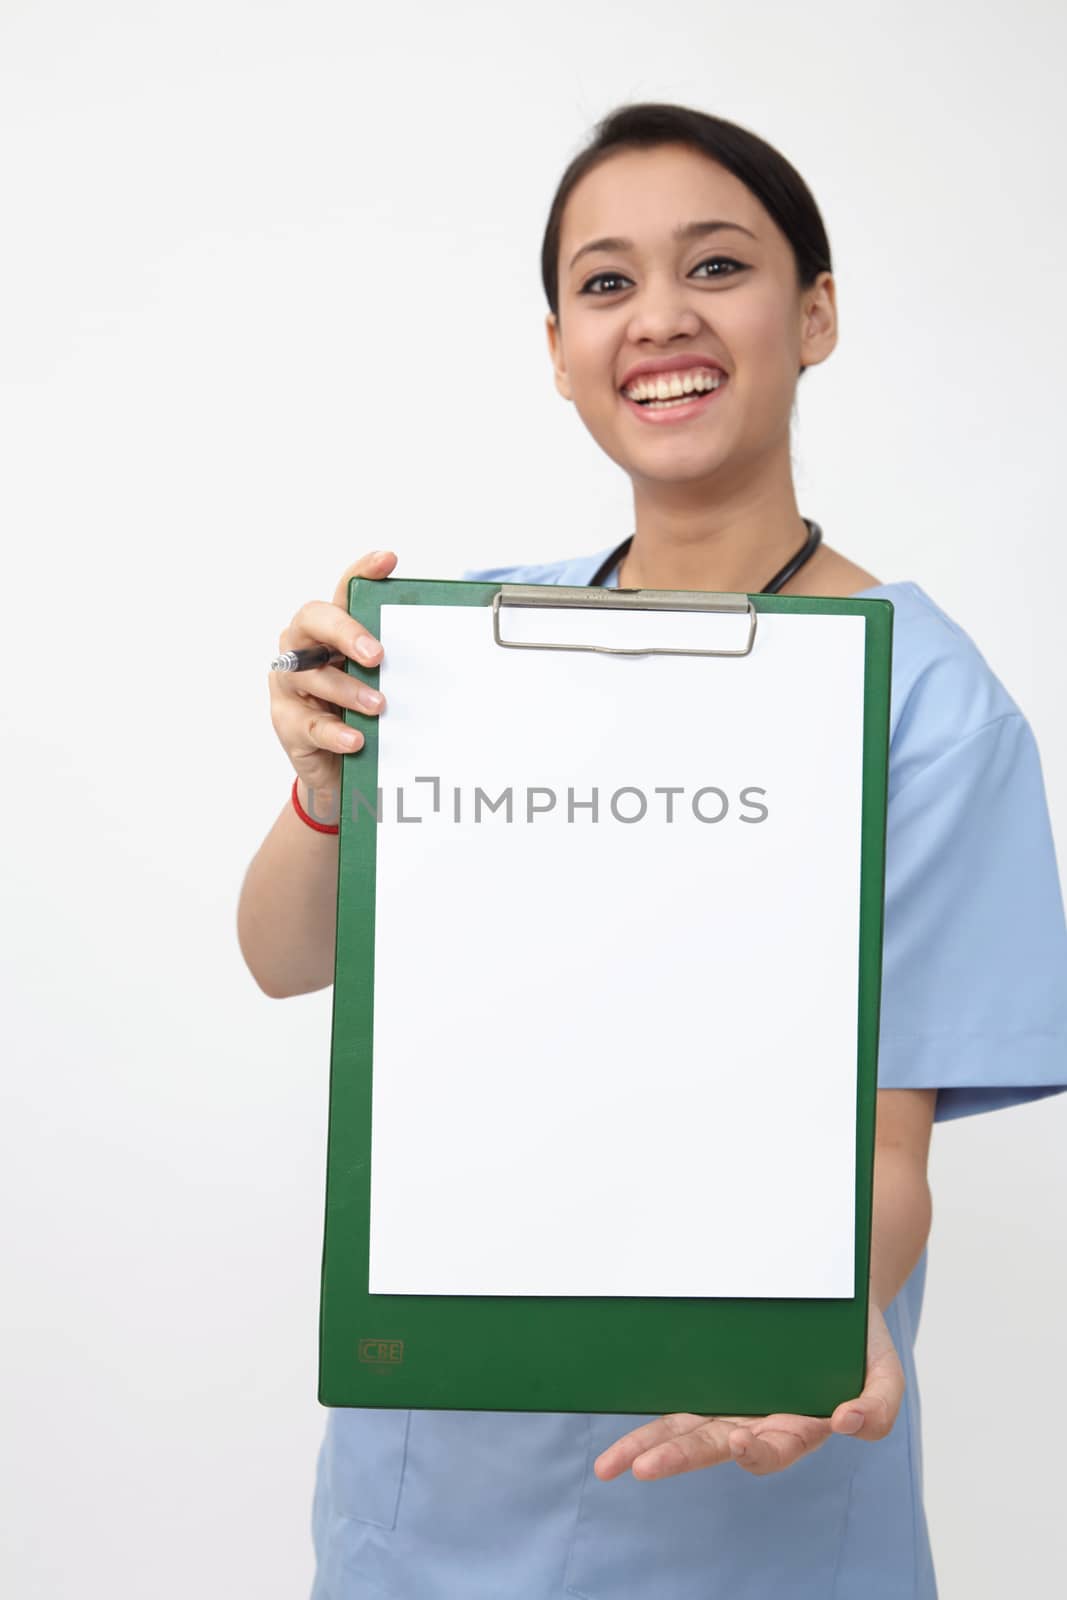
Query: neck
[[686, 538]]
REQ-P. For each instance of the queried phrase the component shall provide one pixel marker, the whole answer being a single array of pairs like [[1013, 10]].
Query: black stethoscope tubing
[[792, 566]]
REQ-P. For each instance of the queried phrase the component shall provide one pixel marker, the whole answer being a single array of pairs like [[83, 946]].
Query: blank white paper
[[616, 1057]]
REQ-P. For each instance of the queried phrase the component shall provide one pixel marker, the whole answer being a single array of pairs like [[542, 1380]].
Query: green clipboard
[[560, 1353]]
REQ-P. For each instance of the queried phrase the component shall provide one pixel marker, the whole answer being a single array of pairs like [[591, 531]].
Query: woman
[[689, 281]]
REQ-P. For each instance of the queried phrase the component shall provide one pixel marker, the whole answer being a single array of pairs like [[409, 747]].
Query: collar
[[580, 570]]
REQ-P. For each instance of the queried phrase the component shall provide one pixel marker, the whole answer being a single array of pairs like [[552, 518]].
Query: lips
[[690, 362], [694, 406]]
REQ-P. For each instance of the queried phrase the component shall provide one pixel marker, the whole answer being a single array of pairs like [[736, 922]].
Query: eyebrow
[[684, 230]]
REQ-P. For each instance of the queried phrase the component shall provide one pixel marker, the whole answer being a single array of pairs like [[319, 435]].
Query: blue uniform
[[469, 1505]]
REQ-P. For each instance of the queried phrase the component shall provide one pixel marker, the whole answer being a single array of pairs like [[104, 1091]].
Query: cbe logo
[[381, 1352]]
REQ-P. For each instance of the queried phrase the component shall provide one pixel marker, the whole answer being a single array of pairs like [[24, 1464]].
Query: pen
[[319, 655]]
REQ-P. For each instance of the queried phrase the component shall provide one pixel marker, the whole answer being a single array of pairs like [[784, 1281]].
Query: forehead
[[643, 194]]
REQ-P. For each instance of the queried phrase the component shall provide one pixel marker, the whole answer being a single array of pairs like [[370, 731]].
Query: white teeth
[[673, 386]]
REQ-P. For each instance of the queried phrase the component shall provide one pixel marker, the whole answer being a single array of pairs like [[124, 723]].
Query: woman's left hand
[[683, 1441]]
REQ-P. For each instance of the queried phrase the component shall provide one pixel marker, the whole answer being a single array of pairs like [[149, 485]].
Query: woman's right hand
[[305, 707]]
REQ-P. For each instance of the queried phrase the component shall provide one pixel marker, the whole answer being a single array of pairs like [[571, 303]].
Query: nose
[[661, 313]]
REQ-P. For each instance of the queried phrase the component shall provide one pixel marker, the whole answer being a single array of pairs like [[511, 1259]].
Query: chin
[[661, 460], [677, 465]]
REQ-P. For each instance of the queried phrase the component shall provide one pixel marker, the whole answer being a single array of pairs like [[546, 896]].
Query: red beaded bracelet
[[319, 827]]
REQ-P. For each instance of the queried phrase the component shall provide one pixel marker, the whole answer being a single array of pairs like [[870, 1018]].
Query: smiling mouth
[[679, 407]]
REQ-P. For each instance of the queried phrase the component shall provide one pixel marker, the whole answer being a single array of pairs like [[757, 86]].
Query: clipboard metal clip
[[540, 594]]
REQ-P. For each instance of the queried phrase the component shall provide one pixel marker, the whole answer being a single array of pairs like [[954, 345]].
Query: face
[[729, 296]]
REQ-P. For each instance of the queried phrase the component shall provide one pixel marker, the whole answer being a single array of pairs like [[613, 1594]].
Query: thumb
[[874, 1413], [375, 564]]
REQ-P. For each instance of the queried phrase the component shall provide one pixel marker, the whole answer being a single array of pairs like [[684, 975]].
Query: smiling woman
[[674, 272], [689, 284]]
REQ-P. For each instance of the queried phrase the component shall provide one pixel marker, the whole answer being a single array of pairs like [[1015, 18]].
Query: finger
[[671, 1444], [337, 688], [318, 622], [305, 735], [706, 1445], [376, 564], [777, 1442], [620, 1455], [873, 1413], [307, 724], [291, 704]]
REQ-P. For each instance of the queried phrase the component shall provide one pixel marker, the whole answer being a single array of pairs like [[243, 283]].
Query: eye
[[720, 261], [710, 261]]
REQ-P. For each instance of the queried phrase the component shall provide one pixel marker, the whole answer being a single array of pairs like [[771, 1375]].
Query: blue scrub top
[[474, 1505]]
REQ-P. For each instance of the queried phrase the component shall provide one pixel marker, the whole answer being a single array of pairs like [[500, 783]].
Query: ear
[[818, 328], [555, 350]]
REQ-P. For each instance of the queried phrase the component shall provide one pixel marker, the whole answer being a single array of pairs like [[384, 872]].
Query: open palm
[[683, 1441]]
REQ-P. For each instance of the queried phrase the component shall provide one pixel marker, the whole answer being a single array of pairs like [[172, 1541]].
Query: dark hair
[[776, 184]]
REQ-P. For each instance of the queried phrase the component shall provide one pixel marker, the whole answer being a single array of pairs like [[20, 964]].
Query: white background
[[269, 298]]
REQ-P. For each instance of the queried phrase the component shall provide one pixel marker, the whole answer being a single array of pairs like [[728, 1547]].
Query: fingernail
[[365, 648], [853, 1422], [370, 698]]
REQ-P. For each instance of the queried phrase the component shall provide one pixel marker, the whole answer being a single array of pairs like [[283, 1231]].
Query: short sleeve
[[974, 955]]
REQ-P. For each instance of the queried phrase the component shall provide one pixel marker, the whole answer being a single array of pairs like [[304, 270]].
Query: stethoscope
[[792, 565]]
